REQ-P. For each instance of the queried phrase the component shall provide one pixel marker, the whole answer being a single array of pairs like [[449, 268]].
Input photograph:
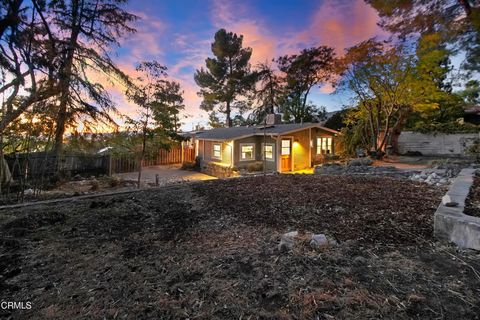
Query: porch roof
[[234, 133]]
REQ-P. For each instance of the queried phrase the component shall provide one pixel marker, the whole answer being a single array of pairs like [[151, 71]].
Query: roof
[[234, 133], [473, 110]]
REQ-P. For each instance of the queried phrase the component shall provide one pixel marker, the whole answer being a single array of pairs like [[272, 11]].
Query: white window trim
[[319, 146], [253, 151], [213, 151], [273, 151]]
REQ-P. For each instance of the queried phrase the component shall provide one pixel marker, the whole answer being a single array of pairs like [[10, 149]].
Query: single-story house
[[472, 115], [286, 147]]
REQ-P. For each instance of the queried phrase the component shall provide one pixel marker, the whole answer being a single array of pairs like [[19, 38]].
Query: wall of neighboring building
[[257, 141], [436, 144]]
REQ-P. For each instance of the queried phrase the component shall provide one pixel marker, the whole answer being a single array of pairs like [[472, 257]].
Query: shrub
[[114, 182], [360, 162], [94, 185], [447, 127], [255, 166], [189, 165]]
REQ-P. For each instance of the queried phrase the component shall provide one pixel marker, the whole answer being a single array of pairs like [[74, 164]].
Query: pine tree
[[227, 76]]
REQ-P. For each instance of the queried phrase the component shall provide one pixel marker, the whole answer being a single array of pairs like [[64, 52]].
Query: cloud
[[341, 24], [147, 41], [336, 23]]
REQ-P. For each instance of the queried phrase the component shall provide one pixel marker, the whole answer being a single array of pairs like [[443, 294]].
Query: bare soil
[[208, 250], [472, 203]]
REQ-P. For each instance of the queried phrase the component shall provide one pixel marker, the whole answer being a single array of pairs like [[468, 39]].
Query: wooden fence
[[129, 163]]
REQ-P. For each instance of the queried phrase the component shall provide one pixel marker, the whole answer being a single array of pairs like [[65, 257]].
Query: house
[[286, 147], [472, 115]]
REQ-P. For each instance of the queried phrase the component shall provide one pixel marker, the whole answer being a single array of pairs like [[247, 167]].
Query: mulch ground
[[209, 251], [472, 203]]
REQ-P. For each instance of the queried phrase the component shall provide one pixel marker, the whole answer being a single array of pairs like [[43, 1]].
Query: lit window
[[286, 147], [217, 151], [247, 152], [268, 149], [324, 145]]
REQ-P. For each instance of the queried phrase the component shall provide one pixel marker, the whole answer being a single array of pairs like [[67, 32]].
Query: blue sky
[[179, 33]]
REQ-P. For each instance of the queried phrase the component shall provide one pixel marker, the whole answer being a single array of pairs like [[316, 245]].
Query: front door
[[286, 155]]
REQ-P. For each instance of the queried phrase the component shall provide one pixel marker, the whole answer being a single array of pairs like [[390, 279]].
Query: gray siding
[[257, 141]]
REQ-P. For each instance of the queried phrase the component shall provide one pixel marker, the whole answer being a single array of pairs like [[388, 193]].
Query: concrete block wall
[[436, 144]]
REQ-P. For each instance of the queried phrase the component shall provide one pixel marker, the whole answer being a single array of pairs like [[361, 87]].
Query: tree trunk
[[227, 113], [65, 80]]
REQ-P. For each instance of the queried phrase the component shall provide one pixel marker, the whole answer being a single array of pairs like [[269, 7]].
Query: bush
[[362, 162], [198, 162], [114, 182], [447, 127], [189, 165], [94, 185], [255, 166]]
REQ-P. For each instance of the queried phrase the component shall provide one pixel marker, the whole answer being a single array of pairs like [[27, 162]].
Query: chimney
[[273, 119]]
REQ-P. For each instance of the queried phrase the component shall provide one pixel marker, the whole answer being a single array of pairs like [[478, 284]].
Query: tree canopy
[[227, 75]]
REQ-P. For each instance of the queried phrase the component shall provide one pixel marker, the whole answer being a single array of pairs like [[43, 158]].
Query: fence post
[[109, 165], [183, 153]]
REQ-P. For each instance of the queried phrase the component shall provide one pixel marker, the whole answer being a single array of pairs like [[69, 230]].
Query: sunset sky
[[179, 33]]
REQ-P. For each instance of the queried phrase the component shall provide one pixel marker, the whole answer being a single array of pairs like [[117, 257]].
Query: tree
[[166, 109], [214, 122], [86, 30], [471, 93], [26, 76], [379, 76], [302, 72], [227, 76], [145, 92], [457, 22], [268, 93]]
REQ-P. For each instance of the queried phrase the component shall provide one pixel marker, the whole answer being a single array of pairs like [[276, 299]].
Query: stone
[[28, 192], [319, 241], [287, 240], [77, 177], [448, 201]]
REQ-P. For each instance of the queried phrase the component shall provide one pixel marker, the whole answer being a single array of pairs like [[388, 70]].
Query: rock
[[448, 201], [77, 177], [28, 192], [443, 181], [319, 241], [287, 240]]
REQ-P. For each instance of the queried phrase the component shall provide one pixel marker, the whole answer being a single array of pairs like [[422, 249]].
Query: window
[[286, 147], [217, 151], [268, 149], [247, 151], [324, 145]]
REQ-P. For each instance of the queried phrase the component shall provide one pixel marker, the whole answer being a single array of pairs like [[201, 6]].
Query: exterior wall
[[300, 149], [319, 133], [207, 147], [258, 141], [436, 144]]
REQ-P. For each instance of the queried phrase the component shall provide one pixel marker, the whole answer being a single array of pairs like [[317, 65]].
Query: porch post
[[310, 145], [278, 151]]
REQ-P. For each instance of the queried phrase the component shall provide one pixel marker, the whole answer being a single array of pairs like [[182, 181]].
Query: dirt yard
[[208, 250], [472, 204]]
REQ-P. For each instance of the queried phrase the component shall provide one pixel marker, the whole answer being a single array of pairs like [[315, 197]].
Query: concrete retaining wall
[[450, 223], [436, 144]]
